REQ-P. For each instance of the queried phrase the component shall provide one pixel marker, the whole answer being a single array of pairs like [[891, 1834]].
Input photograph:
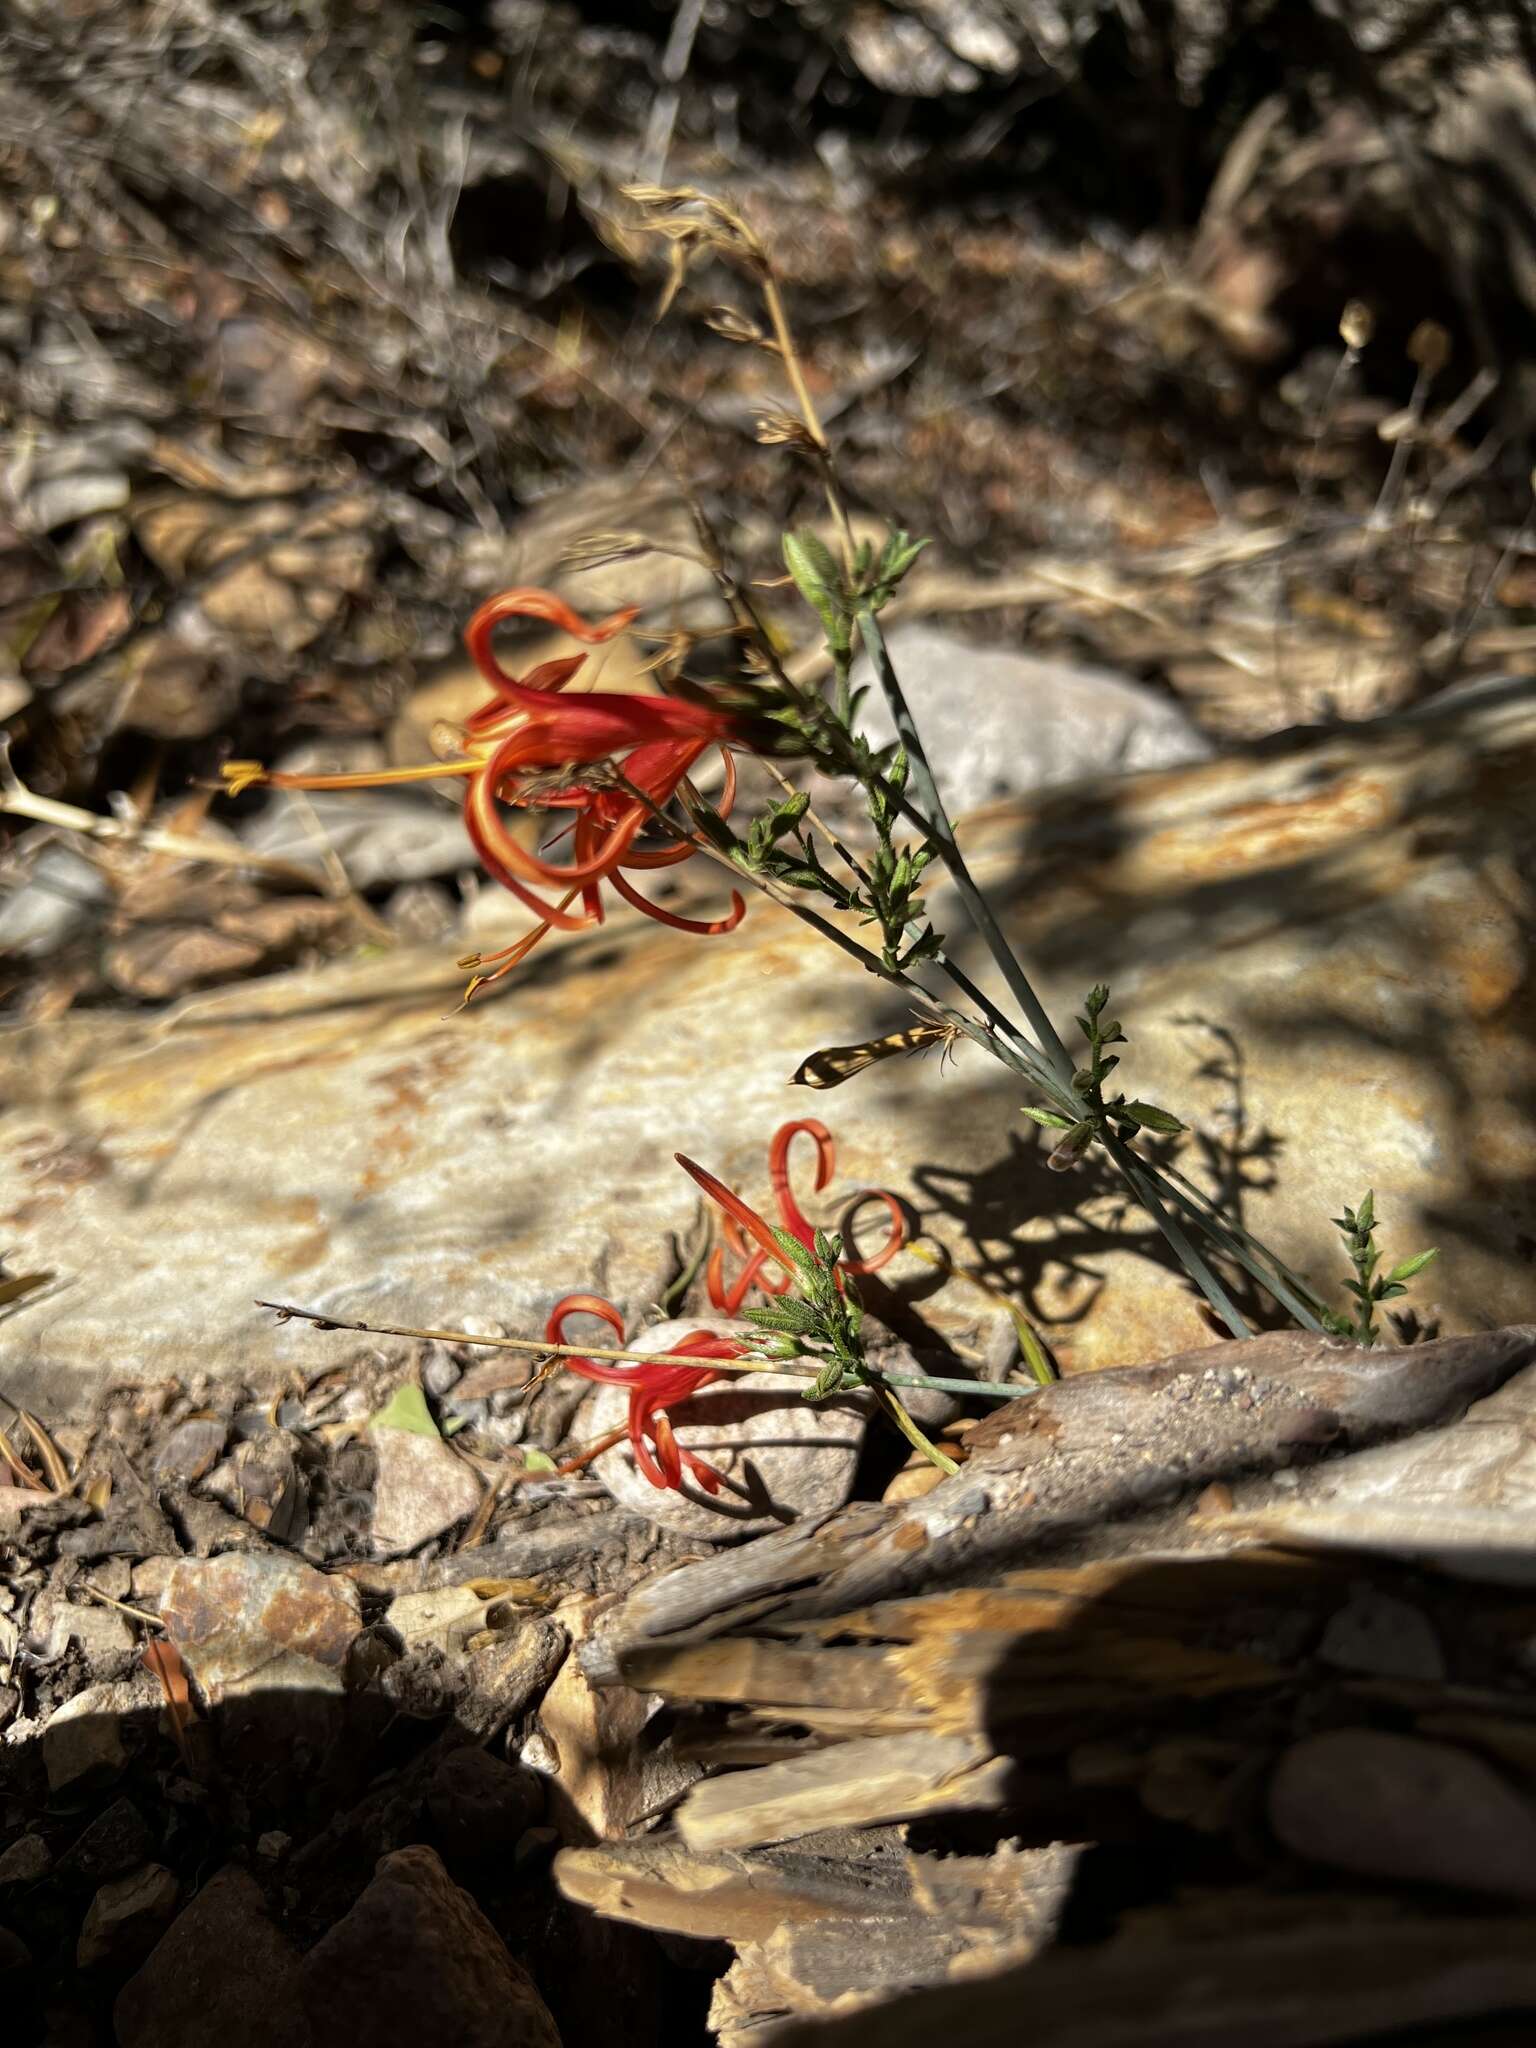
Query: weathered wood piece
[[1299, 1989], [1071, 1457]]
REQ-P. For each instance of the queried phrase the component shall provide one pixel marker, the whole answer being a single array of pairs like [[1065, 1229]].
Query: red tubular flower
[[528, 728], [739, 1218], [653, 1390]]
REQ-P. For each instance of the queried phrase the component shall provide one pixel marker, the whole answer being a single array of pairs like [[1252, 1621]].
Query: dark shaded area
[[306, 1792]]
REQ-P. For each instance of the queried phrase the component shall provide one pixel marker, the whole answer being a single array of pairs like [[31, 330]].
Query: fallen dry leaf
[[164, 1660]]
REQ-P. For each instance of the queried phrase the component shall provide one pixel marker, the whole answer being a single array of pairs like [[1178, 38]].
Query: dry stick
[[20, 802], [287, 1312]]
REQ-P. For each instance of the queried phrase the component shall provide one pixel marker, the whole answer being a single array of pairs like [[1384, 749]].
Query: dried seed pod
[[1357, 323], [1430, 347]]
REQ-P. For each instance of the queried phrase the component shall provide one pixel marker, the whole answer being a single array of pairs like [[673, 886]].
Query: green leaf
[[790, 1315], [829, 1247], [406, 1409], [1048, 1117], [535, 1460], [1150, 1117], [1406, 1269], [803, 1260], [825, 1382], [1365, 1215], [810, 563], [799, 877]]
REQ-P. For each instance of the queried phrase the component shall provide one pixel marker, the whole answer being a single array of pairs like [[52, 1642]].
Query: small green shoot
[[1358, 1229]]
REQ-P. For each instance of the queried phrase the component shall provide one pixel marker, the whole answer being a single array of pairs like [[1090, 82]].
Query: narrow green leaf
[[1406, 1268], [1150, 1117], [1048, 1117], [790, 1315]]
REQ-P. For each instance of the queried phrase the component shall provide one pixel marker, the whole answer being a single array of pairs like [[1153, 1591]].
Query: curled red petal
[[668, 1451], [639, 1417], [706, 1475], [500, 852], [528, 603], [893, 1243], [714, 1279], [549, 675], [778, 1171], [582, 1305], [588, 1305], [670, 856], [702, 928]]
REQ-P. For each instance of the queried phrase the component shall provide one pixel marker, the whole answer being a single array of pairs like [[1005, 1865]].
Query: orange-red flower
[[738, 1218], [528, 728], [653, 1389]]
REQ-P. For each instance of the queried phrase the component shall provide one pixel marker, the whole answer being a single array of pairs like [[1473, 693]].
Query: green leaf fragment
[[406, 1409]]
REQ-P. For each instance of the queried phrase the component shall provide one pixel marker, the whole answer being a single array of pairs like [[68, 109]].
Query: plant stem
[[1140, 1180], [1256, 1259], [936, 820], [895, 1411], [986, 1390]]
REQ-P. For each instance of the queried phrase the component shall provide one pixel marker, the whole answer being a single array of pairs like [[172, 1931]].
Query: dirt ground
[[1199, 341]]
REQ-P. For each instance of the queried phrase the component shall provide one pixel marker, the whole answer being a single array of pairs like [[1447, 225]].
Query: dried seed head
[[711, 225], [732, 325], [1357, 323], [1430, 347], [591, 549], [782, 429]]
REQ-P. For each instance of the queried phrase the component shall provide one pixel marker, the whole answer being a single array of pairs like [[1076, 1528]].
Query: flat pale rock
[[1458, 1497], [125, 1918], [83, 1739], [999, 722], [779, 1456], [1337, 924]]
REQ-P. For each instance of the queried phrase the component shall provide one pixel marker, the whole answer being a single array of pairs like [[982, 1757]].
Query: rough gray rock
[[415, 1961], [222, 1973], [423, 1488]]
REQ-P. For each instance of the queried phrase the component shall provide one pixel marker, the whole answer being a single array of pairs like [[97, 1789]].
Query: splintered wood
[[910, 1718]]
